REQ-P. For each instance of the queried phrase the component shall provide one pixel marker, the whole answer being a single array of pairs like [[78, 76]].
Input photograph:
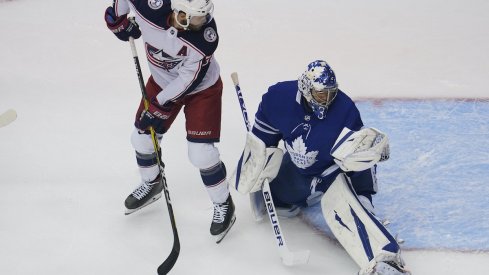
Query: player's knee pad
[[142, 143], [203, 155]]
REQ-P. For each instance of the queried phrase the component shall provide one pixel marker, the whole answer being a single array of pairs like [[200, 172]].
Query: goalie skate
[[387, 268], [145, 194]]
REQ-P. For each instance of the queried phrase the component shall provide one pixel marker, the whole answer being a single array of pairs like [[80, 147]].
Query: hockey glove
[[256, 164], [121, 26], [360, 150], [154, 117]]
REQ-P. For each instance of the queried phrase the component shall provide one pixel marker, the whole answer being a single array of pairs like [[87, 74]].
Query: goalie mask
[[197, 13], [318, 86]]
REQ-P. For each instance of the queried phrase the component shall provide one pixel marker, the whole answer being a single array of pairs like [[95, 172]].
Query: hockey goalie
[[330, 158]]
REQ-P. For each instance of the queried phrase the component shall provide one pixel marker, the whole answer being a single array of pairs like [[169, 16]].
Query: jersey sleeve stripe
[[261, 129], [265, 125]]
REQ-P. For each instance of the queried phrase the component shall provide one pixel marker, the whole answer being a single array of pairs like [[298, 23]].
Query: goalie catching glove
[[256, 164], [360, 150]]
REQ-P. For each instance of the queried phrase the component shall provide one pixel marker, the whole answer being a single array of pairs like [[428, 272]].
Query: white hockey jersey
[[181, 62]]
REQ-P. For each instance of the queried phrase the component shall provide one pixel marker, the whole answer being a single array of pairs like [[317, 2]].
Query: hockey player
[[179, 39], [330, 158]]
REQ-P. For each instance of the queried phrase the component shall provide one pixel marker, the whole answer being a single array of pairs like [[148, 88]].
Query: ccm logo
[[273, 218]]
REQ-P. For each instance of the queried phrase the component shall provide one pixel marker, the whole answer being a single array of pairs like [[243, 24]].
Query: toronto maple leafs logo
[[161, 59], [299, 155]]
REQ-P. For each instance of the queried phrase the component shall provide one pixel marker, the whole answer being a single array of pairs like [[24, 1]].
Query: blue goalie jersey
[[283, 114]]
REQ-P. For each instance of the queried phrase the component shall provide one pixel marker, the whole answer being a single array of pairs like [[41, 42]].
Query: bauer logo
[[199, 133], [273, 218]]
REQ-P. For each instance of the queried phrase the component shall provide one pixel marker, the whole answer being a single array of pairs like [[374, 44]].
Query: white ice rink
[[66, 163]]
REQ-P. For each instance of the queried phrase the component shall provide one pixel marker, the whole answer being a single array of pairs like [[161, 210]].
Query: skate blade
[[223, 234], [153, 199]]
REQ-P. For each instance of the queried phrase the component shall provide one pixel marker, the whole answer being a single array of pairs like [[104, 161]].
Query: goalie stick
[[7, 117], [288, 257], [170, 261]]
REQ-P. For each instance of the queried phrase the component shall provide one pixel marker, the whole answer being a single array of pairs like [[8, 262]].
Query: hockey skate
[[387, 264], [259, 210], [146, 193], [223, 219], [288, 211], [390, 268]]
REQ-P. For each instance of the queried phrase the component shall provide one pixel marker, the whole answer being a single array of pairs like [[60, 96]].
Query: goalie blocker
[[256, 164]]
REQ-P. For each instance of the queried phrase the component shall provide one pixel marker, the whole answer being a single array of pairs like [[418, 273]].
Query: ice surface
[[66, 163], [434, 187]]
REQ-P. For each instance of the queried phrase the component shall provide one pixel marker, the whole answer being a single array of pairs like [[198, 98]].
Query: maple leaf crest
[[299, 155]]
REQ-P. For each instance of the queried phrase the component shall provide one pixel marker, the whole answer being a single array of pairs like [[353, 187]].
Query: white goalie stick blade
[[7, 117], [289, 258], [294, 258]]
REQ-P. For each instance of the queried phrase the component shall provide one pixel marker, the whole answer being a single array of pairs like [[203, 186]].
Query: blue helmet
[[318, 86]]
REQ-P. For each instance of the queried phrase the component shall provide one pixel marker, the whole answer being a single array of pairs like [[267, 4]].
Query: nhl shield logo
[[155, 4]]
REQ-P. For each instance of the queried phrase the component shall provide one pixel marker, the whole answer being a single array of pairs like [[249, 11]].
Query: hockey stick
[[8, 117], [170, 261], [288, 257]]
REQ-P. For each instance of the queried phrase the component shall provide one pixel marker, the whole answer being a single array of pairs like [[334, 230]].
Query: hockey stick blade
[[294, 258], [168, 264], [170, 261], [8, 117]]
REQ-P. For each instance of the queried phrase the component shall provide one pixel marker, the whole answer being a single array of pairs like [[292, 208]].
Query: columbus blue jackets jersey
[[181, 62], [284, 115]]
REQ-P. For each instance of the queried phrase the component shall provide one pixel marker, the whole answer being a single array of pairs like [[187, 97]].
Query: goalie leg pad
[[359, 232]]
